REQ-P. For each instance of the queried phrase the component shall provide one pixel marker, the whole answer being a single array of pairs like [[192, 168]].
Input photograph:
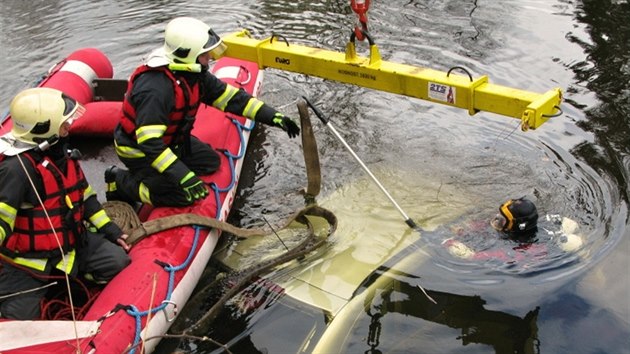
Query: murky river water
[[440, 164]]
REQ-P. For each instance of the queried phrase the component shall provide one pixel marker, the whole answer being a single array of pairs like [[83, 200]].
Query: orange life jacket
[[180, 118], [43, 231]]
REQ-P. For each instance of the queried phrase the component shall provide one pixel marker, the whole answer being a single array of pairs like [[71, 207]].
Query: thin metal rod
[[274, 231], [408, 220]]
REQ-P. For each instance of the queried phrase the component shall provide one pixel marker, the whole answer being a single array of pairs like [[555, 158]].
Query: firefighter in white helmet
[[50, 219], [153, 138]]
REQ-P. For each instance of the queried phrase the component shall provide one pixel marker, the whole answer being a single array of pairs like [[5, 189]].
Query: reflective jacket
[[44, 230], [157, 115], [180, 118]]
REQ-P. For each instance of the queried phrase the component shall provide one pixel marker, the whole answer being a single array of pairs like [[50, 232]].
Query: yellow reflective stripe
[[8, 214], [69, 202], [88, 192], [67, 262], [64, 265], [188, 176], [128, 152], [508, 215], [111, 187], [144, 194], [35, 263], [227, 95], [253, 105], [147, 132], [99, 219], [166, 159], [3, 235]]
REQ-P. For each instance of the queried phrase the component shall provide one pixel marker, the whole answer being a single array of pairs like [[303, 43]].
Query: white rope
[[28, 291]]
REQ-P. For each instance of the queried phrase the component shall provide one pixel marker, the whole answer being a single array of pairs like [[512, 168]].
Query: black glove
[[193, 187], [288, 125]]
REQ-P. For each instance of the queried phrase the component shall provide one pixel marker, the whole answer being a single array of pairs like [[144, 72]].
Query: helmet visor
[[214, 46], [78, 113], [73, 110]]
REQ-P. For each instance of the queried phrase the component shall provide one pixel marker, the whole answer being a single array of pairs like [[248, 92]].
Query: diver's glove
[[193, 187], [288, 125], [458, 249]]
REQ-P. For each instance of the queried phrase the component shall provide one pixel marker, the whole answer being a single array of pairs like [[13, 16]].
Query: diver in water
[[517, 221]]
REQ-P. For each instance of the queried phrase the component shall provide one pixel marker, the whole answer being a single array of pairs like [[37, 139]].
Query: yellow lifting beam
[[447, 88]]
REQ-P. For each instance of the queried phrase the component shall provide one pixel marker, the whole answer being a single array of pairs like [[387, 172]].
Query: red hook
[[360, 7]]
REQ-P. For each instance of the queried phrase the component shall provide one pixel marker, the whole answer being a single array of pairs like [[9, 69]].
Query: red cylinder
[[74, 75]]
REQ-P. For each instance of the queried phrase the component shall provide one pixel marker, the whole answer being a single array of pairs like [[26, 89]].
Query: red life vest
[[180, 118], [34, 235]]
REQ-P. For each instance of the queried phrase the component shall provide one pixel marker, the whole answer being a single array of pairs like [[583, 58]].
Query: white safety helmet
[[185, 38], [38, 114]]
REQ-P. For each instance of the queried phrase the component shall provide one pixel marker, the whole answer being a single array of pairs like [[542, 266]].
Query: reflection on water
[[394, 311], [438, 163], [606, 72], [390, 294]]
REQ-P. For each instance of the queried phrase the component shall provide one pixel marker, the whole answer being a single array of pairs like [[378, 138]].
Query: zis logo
[[437, 88]]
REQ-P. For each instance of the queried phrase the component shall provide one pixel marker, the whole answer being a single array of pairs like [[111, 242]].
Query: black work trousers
[[21, 288], [202, 159]]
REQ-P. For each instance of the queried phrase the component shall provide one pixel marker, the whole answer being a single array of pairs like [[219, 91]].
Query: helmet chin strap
[[47, 143]]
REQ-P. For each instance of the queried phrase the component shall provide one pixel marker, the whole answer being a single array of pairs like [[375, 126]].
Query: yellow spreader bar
[[449, 88]]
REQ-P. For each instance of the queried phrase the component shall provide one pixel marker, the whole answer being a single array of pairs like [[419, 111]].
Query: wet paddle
[[327, 123]]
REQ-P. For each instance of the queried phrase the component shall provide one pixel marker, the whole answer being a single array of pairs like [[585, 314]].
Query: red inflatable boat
[[143, 300]]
